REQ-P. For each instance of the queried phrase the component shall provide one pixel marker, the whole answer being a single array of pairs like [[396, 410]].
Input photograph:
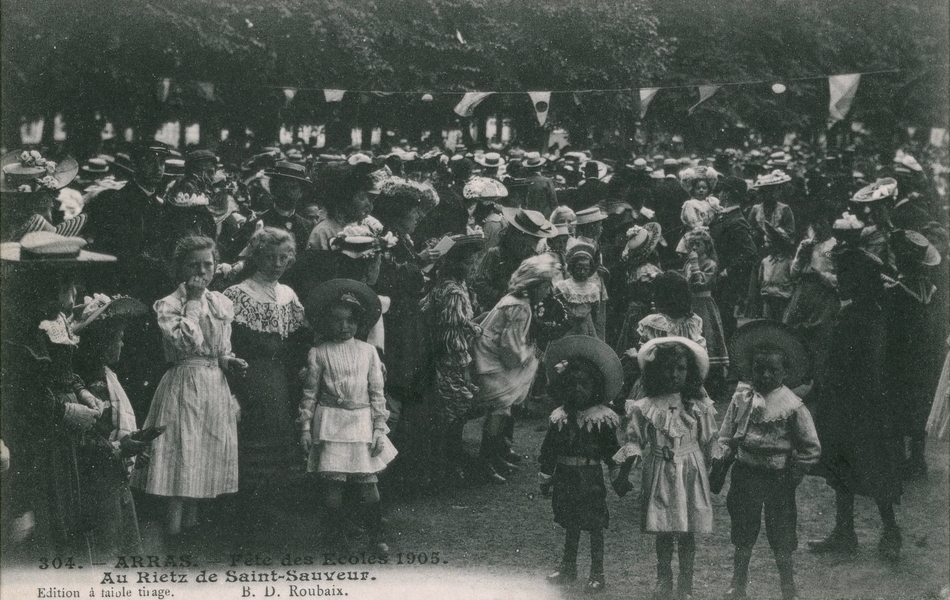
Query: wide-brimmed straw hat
[[484, 187], [289, 170], [776, 177], [642, 240], [590, 215], [647, 352], [50, 248], [490, 160], [464, 246], [882, 188], [533, 160], [765, 332], [28, 171], [588, 348], [101, 308], [346, 291], [529, 221]]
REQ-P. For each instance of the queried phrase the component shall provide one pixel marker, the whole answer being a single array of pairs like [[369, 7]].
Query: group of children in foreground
[[671, 433]]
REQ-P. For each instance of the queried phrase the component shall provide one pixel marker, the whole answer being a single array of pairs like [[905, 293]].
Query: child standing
[[343, 412], [673, 432], [583, 293], [585, 374], [772, 438], [770, 290], [197, 457], [701, 271]]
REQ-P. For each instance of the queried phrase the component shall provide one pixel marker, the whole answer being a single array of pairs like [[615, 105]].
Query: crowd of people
[[200, 334]]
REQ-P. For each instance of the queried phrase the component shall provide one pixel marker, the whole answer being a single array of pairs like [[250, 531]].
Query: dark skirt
[[579, 498]]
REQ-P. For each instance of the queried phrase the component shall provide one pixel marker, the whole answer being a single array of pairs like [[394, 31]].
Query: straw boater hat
[[641, 241], [289, 170], [490, 160], [95, 167], [533, 160], [346, 291], [765, 332], [915, 246], [50, 248], [879, 190], [647, 352], [589, 348], [529, 221], [776, 177], [100, 309], [28, 171], [590, 215], [484, 187], [690, 175]]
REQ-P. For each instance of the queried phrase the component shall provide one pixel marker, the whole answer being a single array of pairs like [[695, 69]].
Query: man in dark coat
[[124, 223], [540, 195], [289, 182], [735, 246]]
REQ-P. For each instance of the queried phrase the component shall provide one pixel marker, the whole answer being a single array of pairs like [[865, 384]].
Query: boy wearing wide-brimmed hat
[[772, 440]]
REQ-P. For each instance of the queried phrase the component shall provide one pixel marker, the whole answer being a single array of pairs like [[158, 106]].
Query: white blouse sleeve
[[180, 323]]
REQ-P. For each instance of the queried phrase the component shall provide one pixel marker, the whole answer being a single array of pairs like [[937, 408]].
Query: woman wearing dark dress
[[269, 330], [856, 420]]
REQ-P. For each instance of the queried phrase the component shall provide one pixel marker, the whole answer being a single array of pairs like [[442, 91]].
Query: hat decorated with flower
[[847, 221], [690, 175], [356, 241], [776, 177], [641, 241], [99, 309], [880, 189], [412, 194], [484, 187], [648, 351], [28, 171], [44, 247]]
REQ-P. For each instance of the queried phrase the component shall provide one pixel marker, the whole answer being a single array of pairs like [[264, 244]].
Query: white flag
[[542, 102], [469, 101], [458, 36], [333, 95], [289, 94], [705, 93], [646, 96], [842, 88], [164, 86]]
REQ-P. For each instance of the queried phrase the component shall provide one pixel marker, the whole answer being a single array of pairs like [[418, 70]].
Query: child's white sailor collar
[[777, 405], [589, 419]]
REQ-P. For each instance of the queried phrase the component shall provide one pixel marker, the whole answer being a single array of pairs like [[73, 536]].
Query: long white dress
[[197, 456]]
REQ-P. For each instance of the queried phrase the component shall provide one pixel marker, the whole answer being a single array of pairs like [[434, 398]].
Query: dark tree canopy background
[[107, 57]]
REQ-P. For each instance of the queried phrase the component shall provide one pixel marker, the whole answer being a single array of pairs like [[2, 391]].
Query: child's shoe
[[596, 582], [564, 574]]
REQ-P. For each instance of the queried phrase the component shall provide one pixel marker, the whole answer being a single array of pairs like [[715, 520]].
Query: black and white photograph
[[475, 299]]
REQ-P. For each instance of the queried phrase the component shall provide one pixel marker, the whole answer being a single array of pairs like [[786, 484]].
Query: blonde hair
[[533, 271]]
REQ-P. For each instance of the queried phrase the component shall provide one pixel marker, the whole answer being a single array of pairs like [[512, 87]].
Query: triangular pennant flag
[[289, 94], [842, 88], [458, 36], [333, 95], [164, 86], [469, 101], [577, 98], [542, 102], [205, 89], [705, 93], [646, 97]]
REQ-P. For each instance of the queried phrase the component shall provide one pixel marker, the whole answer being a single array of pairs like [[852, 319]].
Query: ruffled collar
[[665, 322], [255, 307], [590, 419], [670, 416], [777, 405], [581, 292]]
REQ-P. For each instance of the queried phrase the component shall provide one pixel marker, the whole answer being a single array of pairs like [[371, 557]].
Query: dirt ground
[[500, 542]]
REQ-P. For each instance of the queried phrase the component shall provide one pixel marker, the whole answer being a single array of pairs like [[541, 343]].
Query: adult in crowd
[[540, 194], [31, 188], [517, 242], [770, 189], [735, 246], [270, 332], [506, 360], [186, 210], [861, 443]]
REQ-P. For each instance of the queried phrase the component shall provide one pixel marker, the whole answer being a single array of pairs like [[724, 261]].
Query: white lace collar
[[589, 419], [777, 405], [263, 292]]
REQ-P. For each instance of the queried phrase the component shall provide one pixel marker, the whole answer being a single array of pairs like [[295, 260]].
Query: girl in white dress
[[196, 458]]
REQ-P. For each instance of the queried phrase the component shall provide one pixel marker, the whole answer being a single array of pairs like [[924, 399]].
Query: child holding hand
[[343, 412], [771, 435], [585, 374], [672, 432]]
